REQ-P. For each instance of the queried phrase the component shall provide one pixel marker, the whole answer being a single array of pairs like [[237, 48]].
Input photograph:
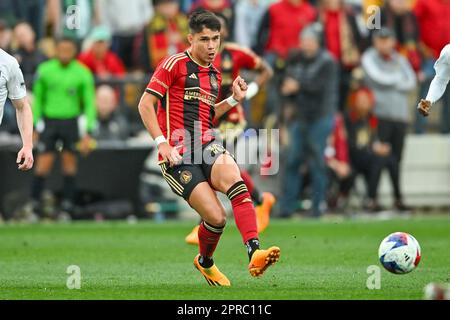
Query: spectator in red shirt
[[105, 65], [432, 16], [282, 24], [99, 58], [279, 32], [341, 37]]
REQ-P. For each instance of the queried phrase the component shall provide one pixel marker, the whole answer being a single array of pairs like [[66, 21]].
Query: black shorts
[[59, 134], [183, 178]]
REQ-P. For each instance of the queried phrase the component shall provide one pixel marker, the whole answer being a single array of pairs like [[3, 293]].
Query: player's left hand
[[239, 88], [25, 159]]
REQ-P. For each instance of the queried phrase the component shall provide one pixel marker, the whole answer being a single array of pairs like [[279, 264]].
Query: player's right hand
[[424, 107], [25, 159], [169, 154]]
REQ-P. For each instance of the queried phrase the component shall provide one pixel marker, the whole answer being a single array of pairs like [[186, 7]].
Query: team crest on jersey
[[186, 176], [213, 81]]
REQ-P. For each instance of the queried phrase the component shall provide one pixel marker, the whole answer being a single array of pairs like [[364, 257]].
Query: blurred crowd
[[344, 90]]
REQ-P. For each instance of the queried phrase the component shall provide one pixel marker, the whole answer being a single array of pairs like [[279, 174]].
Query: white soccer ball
[[399, 253]]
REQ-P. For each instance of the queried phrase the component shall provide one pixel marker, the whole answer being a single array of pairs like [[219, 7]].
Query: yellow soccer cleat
[[212, 275], [192, 238], [262, 259], [263, 211]]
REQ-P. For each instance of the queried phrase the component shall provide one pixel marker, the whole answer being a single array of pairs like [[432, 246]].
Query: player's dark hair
[[201, 18]]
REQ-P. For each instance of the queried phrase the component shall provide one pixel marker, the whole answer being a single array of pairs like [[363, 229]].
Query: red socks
[[208, 237], [244, 211]]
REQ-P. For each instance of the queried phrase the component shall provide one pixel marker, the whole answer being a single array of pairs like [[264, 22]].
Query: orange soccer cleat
[[262, 259], [212, 275], [192, 238], [263, 211]]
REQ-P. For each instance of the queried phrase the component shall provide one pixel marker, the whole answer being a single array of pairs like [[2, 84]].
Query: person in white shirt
[[12, 86], [439, 83]]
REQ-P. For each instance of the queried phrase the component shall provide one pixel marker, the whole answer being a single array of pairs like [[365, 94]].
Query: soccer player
[[63, 90], [186, 86], [231, 59], [439, 83], [12, 85]]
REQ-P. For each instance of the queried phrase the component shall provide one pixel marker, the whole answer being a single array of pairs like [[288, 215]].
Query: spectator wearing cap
[[391, 78], [398, 16], [166, 34], [310, 84], [99, 58]]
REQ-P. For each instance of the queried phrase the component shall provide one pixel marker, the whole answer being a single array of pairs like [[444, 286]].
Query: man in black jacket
[[311, 86]]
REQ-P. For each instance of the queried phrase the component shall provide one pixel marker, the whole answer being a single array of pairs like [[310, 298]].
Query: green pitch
[[319, 260]]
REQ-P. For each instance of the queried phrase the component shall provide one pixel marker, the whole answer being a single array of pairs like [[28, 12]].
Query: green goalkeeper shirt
[[64, 92]]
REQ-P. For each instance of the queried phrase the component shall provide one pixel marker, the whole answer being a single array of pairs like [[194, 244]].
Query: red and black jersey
[[230, 62], [188, 92]]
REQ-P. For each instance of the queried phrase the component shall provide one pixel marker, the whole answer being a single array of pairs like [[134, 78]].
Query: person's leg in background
[[317, 141], [421, 122], [394, 133], [123, 47], [69, 164], [375, 165], [292, 180], [445, 115], [43, 165], [69, 171], [263, 201], [397, 146]]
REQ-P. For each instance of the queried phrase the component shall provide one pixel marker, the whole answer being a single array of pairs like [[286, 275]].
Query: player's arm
[[163, 78], [18, 95], [25, 123], [438, 84], [147, 106], [239, 91], [265, 73]]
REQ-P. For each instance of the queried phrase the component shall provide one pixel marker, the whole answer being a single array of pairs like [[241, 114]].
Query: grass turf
[[319, 260]]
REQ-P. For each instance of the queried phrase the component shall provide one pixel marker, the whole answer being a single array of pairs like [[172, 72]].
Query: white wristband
[[231, 101], [160, 139]]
